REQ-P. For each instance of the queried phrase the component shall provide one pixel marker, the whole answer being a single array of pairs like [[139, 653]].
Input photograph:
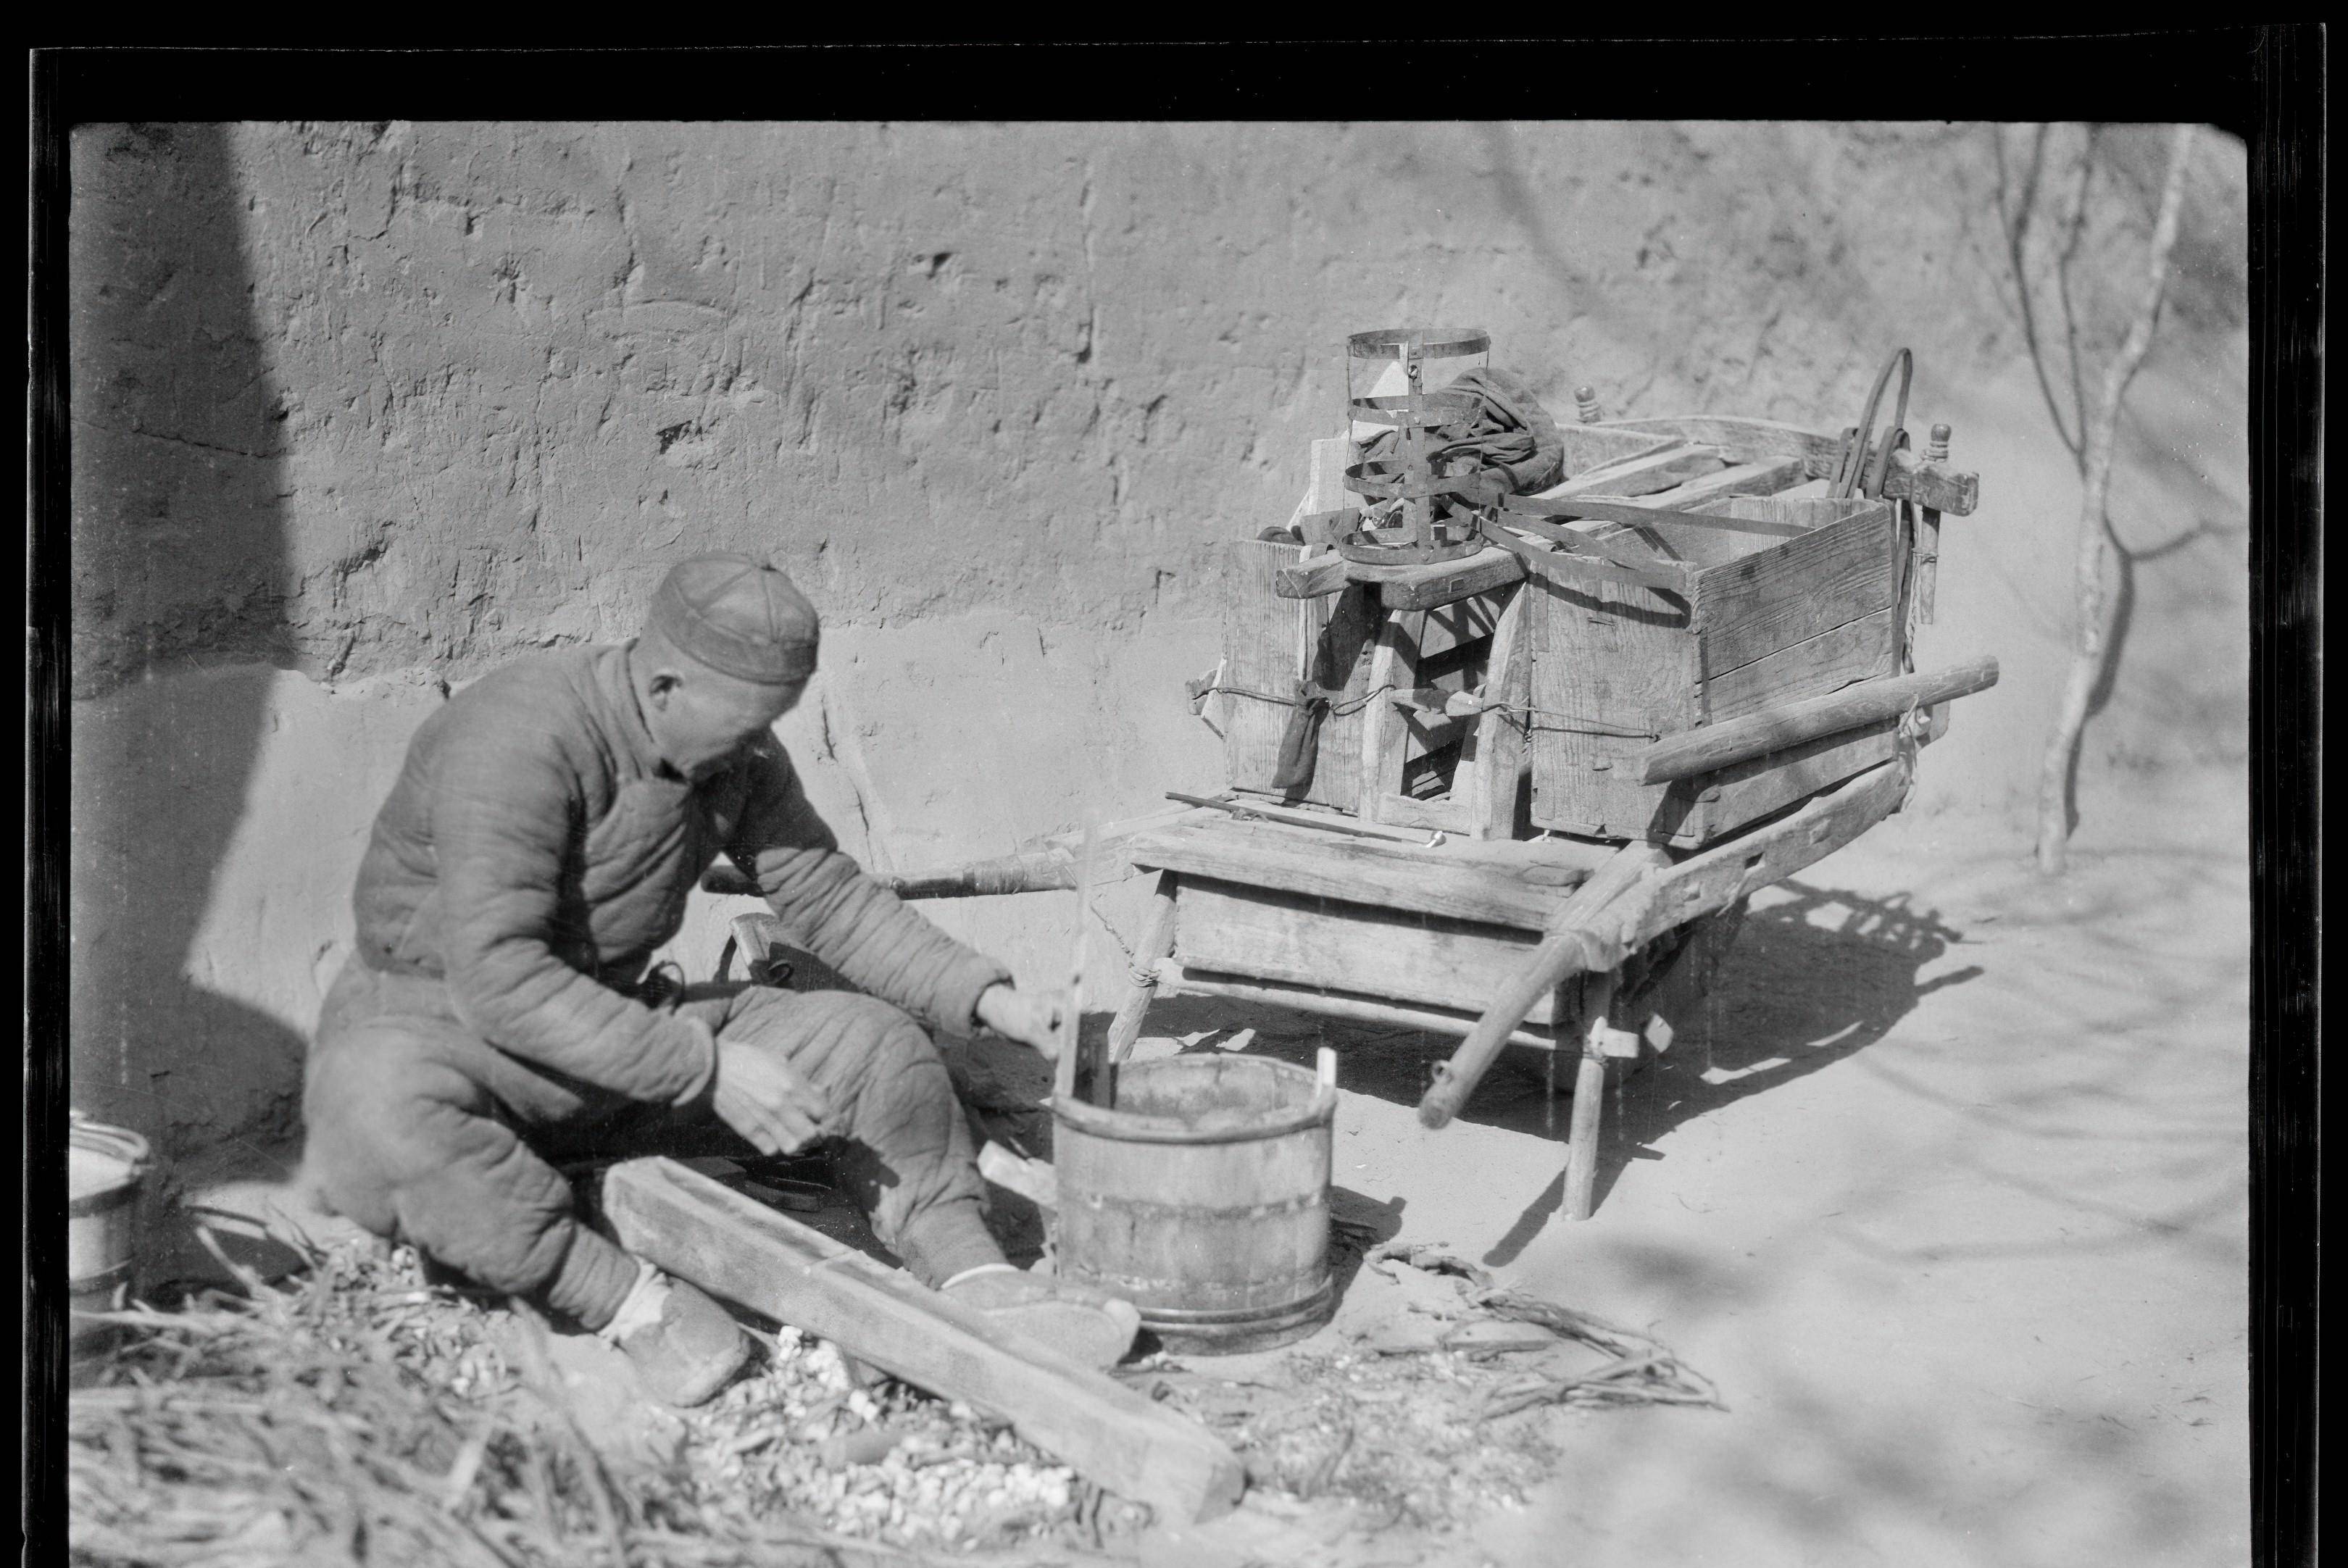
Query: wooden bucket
[[106, 1168], [1202, 1196]]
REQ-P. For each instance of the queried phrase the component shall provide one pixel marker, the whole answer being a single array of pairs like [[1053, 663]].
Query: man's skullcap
[[739, 617]]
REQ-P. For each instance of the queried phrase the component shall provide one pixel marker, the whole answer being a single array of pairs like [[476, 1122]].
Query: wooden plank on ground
[[1753, 607], [1519, 883], [1307, 940], [746, 1252]]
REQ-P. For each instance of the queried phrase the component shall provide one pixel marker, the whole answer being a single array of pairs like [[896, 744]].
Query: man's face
[[699, 717]]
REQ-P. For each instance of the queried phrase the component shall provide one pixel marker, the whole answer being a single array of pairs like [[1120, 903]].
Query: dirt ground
[[1947, 1198]]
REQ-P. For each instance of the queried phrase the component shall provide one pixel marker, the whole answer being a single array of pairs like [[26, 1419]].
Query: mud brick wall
[[360, 410]]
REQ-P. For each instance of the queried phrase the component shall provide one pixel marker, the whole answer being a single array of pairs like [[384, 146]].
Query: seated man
[[538, 847]]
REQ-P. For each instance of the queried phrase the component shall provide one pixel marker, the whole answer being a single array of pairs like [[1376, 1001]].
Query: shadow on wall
[[178, 550]]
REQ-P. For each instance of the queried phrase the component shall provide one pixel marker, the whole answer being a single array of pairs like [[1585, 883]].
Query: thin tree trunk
[[2094, 554]]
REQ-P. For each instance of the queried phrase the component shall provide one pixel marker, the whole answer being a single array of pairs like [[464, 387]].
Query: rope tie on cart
[[1568, 723], [1519, 715], [1908, 739], [1337, 708]]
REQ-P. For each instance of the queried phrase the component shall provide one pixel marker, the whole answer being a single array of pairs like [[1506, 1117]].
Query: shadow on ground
[[1816, 975]]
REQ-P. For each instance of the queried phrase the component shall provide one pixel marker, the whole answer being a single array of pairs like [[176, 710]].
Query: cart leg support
[[1599, 1040], [1156, 943], [1581, 1154]]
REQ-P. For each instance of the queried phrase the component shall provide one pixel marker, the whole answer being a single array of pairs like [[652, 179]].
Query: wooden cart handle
[[1710, 747], [1589, 936]]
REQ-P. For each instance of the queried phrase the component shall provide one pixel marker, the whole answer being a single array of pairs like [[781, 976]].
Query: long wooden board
[[1519, 883], [1858, 649], [1764, 477], [1743, 792], [1307, 940], [1748, 440], [1613, 667], [1173, 980], [1643, 474], [1722, 874], [1260, 634], [746, 1252], [1751, 607]]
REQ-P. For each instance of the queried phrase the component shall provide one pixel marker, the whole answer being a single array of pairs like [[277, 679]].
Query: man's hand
[[762, 1097], [1031, 1018]]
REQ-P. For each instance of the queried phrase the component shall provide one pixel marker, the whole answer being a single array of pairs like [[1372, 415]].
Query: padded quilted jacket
[[536, 851]]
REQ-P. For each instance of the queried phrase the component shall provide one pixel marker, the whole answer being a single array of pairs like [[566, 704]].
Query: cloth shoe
[[685, 1346], [1086, 1325]]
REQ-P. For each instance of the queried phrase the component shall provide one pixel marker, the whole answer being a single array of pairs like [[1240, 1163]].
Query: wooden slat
[[1741, 440], [1732, 514], [1337, 781], [1460, 623], [1436, 815], [1766, 476], [1609, 659], [1928, 485], [1695, 811], [1406, 586], [1642, 475], [1858, 649], [1750, 440], [1753, 607], [1306, 940], [745, 1251], [1523, 888], [1324, 574], [1385, 737], [1780, 725], [1492, 770], [1574, 570], [1175, 980], [1725, 873], [1586, 446], [1260, 639]]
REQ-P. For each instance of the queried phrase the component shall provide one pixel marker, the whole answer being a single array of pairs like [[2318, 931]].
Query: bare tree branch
[[2016, 224], [2076, 229], [2096, 540]]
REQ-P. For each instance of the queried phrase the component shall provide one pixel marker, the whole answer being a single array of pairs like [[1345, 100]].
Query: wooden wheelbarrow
[[1544, 776], [1554, 943]]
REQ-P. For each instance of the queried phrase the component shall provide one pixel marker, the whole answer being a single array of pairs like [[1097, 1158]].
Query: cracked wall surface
[[362, 409]]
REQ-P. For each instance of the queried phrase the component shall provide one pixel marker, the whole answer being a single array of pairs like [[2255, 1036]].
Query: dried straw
[[357, 1417]]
